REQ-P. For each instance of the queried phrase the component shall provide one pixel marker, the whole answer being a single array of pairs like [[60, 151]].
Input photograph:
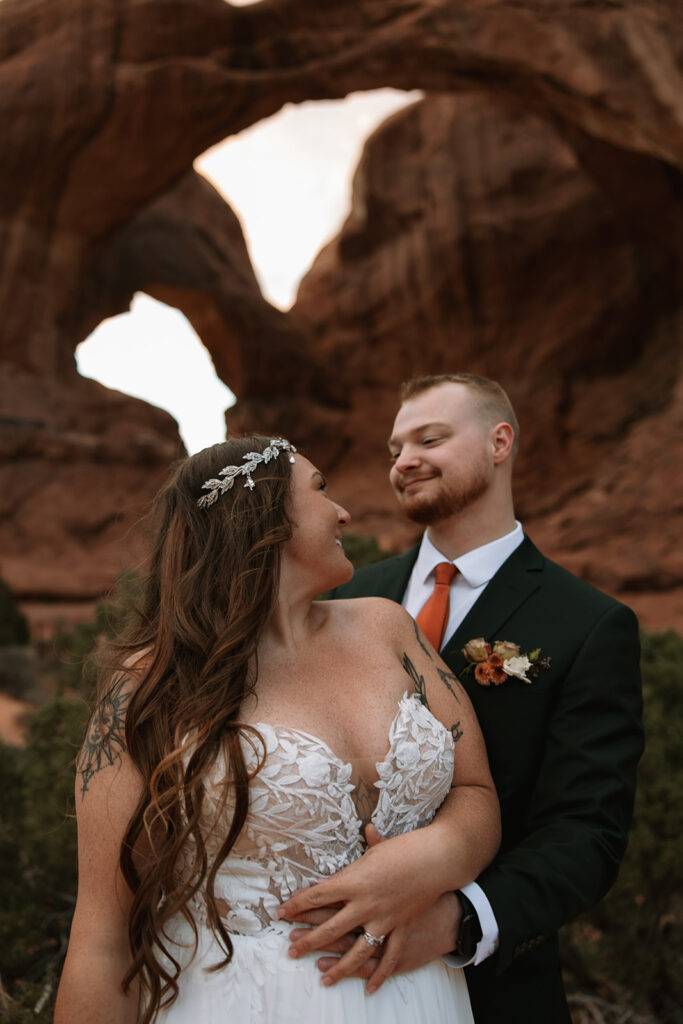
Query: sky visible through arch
[[288, 179]]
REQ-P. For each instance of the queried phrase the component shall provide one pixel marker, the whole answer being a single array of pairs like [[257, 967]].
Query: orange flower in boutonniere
[[490, 671], [494, 665]]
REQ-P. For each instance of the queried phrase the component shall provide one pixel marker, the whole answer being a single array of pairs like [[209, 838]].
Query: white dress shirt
[[475, 569]]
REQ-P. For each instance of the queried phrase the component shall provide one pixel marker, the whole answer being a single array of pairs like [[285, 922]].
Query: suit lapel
[[515, 581]]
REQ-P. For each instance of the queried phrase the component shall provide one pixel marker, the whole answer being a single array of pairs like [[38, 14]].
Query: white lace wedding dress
[[303, 825]]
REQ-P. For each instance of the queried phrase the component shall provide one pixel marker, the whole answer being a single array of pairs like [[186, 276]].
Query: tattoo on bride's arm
[[456, 732], [104, 741], [418, 680], [451, 682], [448, 678], [419, 683], [418, 634]]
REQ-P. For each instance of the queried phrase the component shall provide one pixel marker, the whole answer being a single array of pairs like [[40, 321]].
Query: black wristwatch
[[469, 932]]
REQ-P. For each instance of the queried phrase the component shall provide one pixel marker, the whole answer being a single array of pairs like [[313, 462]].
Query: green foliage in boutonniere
[[495, 665]]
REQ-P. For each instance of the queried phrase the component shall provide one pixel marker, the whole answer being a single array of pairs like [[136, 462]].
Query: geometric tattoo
[[104, 741]]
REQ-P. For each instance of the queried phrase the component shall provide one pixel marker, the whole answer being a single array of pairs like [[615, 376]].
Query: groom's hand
[[430, 936]]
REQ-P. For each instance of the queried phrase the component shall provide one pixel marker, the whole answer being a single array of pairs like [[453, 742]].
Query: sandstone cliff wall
[[523, 221]]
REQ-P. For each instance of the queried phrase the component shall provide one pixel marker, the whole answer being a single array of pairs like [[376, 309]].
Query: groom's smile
[[412, 483]]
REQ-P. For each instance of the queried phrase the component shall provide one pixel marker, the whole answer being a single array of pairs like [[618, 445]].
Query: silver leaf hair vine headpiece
[[251, 460]]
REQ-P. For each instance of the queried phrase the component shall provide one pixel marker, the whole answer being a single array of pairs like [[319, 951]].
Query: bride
[[250, 741]]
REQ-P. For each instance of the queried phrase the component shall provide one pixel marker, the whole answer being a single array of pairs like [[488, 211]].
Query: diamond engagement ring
[[373, 940]]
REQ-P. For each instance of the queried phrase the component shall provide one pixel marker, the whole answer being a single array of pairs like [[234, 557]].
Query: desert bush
[[75, 647], [632, 942], [38, 870], [38, 855]]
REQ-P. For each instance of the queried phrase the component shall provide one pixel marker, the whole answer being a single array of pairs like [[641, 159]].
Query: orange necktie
[[434, 616]]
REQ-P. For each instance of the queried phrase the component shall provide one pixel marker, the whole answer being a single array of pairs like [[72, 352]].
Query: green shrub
[[76, 646], [38, 853], [634, 938], [38, 869]]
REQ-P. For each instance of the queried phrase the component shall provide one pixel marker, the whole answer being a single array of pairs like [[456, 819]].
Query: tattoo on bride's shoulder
[[418, 680], [420, 640], [104, 742], [451, 682]]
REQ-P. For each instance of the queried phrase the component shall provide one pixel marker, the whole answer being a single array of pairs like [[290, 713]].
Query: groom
[[563, 743]]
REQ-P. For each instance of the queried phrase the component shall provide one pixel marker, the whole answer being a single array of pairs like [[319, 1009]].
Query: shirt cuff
[[488, 942]]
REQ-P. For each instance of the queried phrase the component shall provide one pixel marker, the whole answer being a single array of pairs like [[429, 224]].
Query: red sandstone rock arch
[[103, 107]]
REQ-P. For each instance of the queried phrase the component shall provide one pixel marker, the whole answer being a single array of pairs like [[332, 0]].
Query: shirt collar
[[478, 566]]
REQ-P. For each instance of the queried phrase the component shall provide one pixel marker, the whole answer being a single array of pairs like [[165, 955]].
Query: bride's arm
[[396, 882], [107, 791]]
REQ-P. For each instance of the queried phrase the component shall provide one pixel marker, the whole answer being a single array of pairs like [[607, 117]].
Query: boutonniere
[[493, 666]]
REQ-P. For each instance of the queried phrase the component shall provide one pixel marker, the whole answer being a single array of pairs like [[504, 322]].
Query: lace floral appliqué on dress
[[303, 826]]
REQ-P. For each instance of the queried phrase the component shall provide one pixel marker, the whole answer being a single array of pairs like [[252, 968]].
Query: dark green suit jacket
[[563, 753]]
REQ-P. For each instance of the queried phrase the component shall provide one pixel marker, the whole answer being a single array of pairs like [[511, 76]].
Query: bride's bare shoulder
[[125, 679], [138, 663], [372, 613]]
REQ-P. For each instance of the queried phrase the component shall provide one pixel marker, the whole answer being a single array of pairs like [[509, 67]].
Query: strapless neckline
[[280, 729], [303, 826], [304, 820]]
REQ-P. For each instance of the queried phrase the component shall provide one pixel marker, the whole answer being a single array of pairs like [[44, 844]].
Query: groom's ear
[[502, 441]]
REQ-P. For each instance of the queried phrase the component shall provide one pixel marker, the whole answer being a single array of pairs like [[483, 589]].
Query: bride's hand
[[378, 895], [427, 939]]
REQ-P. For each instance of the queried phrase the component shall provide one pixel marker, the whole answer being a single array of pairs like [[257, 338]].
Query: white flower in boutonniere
[[517, 667], [495, 664]]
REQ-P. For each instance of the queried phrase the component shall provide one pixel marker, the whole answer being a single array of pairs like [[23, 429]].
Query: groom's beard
[[449, 499]]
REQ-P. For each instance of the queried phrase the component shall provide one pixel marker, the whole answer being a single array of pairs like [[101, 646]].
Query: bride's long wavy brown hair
[[211, 587]]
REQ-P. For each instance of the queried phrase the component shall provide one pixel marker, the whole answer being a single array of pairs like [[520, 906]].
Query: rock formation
[[513, 262], [525, 222]]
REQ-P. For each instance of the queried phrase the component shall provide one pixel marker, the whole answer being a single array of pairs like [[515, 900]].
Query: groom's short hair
[[492, 401]]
